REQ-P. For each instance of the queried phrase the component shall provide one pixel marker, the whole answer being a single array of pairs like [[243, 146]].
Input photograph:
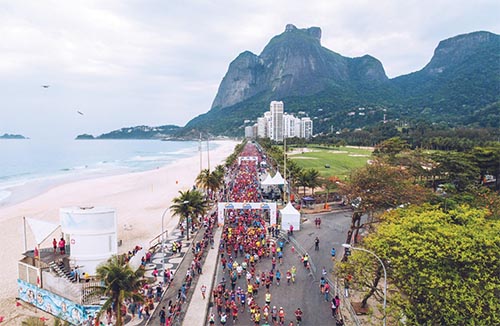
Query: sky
[[154, 62]]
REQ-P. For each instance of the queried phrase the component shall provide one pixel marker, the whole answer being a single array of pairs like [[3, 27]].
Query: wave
[[85, 158], [140, 158], [4, 194]]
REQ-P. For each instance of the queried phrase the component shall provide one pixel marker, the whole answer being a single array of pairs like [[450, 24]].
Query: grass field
[[340, 159]]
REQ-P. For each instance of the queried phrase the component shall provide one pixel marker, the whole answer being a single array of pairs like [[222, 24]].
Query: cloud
[[157, 62]]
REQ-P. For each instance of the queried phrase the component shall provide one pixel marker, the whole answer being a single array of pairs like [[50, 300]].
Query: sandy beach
[[139, 198]]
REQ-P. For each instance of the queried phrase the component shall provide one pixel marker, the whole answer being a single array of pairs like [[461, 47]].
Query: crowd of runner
[[245, 242]]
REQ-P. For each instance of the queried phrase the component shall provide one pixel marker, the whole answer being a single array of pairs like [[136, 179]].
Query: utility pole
[[284, 170], [199, 149], [208, 153]]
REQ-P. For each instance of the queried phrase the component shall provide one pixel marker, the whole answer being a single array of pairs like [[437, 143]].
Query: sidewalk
[[175, 263], [198, 307]]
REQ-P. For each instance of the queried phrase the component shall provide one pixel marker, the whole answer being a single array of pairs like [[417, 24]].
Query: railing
[[158, 239], [345, 300], [73, 288]]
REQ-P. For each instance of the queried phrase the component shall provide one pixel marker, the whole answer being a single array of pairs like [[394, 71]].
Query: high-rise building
[[288, 126], [306, 127], [277, 125], [262, 127], [249, 132], [276, 132]]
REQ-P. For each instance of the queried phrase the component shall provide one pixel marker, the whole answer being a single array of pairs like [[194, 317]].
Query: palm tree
[[189, 205], [33, 321], [119, 282], [202, 180], [312, 177], [210, 181], [329, 184], [302, 180]]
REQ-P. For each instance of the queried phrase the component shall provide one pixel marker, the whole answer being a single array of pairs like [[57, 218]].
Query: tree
[[210, 181], [455, 167], [390, 148], [119, 282], [329, 184], [301, 180], [33, 321], [190, 204], [312, 179], [378, 187], [445, 263], [488, 161]]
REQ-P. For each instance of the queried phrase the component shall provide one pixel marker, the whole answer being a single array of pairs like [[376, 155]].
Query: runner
[[281, 315], [274, 315], [298, 316], [288, 276]]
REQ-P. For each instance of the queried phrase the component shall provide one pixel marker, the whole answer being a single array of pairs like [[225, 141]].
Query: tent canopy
[[290, 216], [278, 179], [268, 181], [41, 229]]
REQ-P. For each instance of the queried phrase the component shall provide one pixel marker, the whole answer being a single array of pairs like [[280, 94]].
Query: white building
[[262, 127], [276, 130], [306, 127], [249, 132], [288, 126], [277, 125]]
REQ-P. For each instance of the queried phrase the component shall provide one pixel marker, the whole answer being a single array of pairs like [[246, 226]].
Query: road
[[305, 293]]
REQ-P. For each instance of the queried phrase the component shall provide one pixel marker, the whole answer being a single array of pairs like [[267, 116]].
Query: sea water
[[26, 164]]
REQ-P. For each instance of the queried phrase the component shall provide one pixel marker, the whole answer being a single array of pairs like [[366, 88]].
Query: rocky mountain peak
[[456, 50], [293, 63]]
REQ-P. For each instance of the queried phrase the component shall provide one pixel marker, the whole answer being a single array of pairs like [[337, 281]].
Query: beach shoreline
[[140, 199]]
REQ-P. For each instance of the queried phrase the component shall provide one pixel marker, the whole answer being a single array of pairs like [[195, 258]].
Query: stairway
[[65, 275]]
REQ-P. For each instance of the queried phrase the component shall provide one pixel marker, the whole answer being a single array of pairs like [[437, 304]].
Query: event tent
[[268, 181], [290, 216], [278, 179]]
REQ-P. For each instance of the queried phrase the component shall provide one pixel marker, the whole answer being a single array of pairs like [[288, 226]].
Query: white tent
[[41, 229], [278, 179], [290, 216], [268, 181]]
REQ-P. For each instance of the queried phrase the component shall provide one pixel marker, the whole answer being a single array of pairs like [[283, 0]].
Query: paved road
[[305, 292]]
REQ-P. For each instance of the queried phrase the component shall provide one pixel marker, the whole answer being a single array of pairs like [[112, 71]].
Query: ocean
[[30, 166]]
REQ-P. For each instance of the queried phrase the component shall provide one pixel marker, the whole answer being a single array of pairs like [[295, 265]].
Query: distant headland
[[138, 132], [12, 136]]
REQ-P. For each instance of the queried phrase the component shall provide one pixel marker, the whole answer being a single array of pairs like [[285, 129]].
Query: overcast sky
[[126, 63]]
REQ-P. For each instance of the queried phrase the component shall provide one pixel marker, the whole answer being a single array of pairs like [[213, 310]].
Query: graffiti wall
[[56, 305]]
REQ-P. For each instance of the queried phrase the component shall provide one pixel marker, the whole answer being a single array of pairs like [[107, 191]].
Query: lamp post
[[163, 237], [187, 221], [348, 246]]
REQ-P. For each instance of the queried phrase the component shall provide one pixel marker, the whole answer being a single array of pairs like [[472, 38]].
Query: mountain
[[138, 132], [458, 85], [460, 81]]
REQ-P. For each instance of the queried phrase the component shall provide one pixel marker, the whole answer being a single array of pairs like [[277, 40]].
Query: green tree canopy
[[119, 282], [189, 204], [446, 264]]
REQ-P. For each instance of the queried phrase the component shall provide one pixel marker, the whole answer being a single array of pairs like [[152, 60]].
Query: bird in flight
[[79, 112], [45, 86]]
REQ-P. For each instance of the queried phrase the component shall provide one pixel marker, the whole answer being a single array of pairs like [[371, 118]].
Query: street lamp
[[187, 220], [163, 237], [348, 246]]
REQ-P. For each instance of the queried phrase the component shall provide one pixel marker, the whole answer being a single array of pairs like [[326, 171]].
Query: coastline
[[140, 199]]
